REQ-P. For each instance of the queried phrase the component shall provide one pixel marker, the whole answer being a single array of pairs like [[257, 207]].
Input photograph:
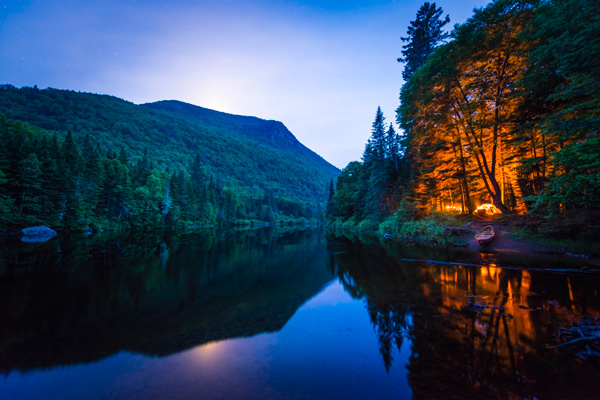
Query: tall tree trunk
[[22, 202], [463, 166], [477, 145]]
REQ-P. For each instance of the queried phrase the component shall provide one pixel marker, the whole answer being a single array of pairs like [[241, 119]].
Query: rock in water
[[37, 234]]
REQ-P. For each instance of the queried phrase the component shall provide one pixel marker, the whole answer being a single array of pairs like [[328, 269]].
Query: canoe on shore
[[485, 236]]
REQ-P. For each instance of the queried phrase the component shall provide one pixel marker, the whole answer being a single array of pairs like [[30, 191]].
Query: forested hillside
[[504, 110], [78, 160]]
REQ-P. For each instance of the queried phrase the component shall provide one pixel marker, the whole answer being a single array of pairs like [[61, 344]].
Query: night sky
[[321, 67]]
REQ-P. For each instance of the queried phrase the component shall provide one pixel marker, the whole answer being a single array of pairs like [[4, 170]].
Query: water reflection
[[81, 299], [230, 317], [368, 272], [475, 332]]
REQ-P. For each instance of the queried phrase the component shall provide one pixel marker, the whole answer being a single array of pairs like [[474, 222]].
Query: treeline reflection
[[475, 332], [80, 299]]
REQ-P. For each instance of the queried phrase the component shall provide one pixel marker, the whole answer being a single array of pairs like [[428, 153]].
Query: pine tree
[[375, 182], [330, 210], [393, 148], [123, 156], [142, 169], [92, 177], [423, 36], [375, 149], [31, 183], [198, 172], [71, 156], [73, 207], [6, 204]]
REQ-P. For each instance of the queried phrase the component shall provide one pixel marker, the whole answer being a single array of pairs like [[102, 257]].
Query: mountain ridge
[[242, 122], [247, 159]]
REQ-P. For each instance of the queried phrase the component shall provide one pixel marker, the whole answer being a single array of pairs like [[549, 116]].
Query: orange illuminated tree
[[458, 110]]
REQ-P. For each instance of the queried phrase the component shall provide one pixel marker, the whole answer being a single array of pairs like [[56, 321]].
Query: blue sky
[[320, 66]]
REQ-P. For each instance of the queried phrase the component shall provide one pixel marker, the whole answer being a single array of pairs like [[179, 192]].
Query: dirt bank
[[506, 241]]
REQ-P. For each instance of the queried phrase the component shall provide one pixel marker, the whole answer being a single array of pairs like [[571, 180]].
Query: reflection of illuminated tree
[[475, 332], [492, 356]]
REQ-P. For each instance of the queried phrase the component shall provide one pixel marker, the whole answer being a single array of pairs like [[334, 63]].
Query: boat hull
[[483, 242], [485, 236]]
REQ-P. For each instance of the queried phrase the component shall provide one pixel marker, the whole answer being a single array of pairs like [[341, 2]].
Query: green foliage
[[508, 111], [350, 224], [430, 230], [389, 227], [81, 161], [423, 35], [565, 59], [425, 230], [575, 184], [367, 225], [7, 210], [371, 190]]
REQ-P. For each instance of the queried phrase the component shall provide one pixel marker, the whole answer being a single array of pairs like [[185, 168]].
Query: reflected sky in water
[[293, 315], [328, 349]]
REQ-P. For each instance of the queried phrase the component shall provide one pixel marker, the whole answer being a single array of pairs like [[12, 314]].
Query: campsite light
[[487, 209]]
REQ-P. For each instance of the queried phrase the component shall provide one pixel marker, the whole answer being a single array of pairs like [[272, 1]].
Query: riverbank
[[514, 234]]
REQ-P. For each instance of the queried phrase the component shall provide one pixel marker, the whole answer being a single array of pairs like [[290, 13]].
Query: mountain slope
[[259, 161], [272, 132]]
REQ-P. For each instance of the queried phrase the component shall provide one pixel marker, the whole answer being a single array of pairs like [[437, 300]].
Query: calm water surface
[[285, 315]]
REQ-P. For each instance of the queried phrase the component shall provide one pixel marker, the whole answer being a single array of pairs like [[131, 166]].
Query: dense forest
[[80, 161], [504, 109]]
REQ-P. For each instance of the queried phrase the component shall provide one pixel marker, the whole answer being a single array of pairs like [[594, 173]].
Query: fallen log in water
[[584, 332], [574, 341]]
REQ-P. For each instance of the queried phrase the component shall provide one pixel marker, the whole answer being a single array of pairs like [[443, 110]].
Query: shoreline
[[506, 243], [510, 240]]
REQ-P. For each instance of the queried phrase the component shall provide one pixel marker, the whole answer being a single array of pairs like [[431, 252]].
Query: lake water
[[286, 315]]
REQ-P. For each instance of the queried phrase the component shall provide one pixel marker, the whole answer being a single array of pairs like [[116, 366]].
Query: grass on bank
[[565, 235], [429, 230]]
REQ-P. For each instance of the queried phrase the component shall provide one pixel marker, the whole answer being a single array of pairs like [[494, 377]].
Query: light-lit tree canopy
[[507, 112]]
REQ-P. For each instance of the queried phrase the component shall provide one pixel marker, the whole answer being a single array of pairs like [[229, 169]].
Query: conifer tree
[[73, 205], [375, 149], [375, 184], [6, 204], [31, 183], [123, 156], [71, 156], [423, 36], [92, 177], [330, 210], [393, 148], [198, 172]]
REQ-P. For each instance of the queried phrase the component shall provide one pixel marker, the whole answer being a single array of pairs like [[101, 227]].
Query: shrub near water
[[350, 224], [430, 229], [367, 225], [425, 230]]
